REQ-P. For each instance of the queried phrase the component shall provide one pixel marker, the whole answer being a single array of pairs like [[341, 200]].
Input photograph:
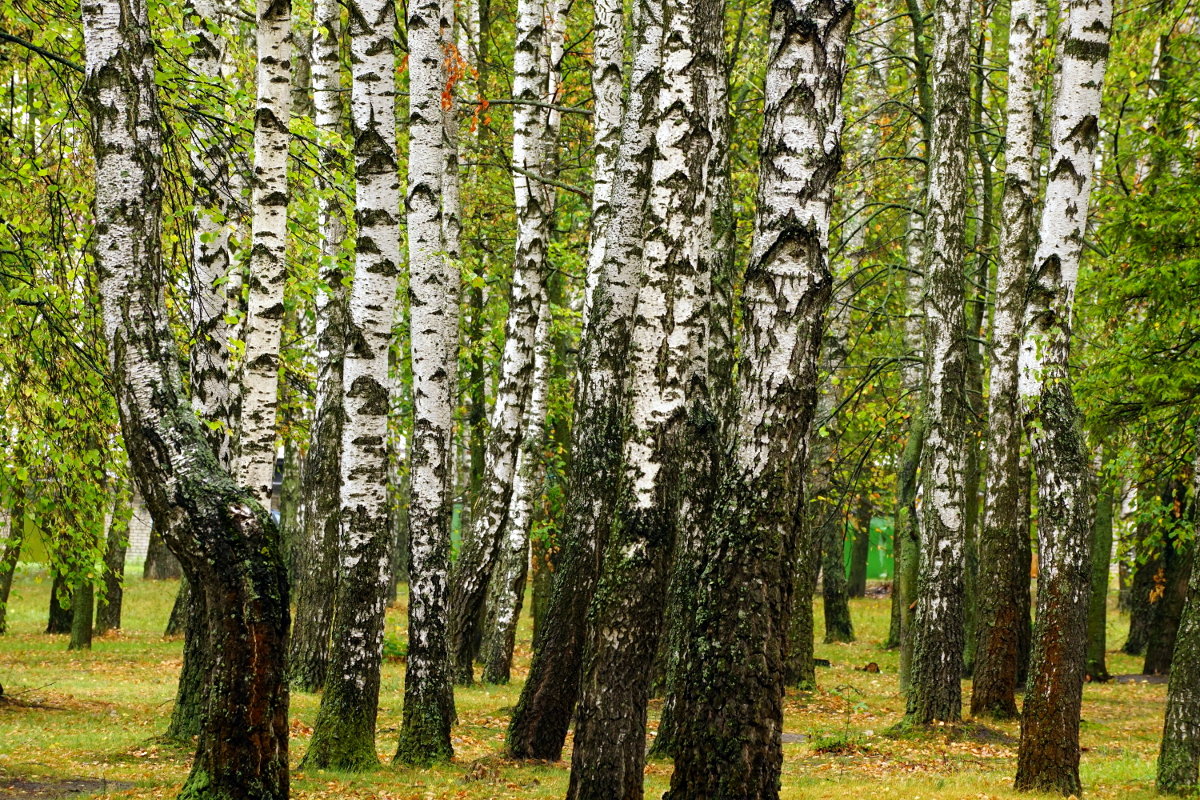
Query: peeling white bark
[[1048, 756], [534, 139], [215, 212], [255, 462], [433, 293], [938, 622]]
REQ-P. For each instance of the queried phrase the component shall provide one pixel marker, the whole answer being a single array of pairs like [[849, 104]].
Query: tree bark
[[668, 406], [1177, 569], [108, 607], [1096, 669], [1179, 754], [215, 219], [543, 714], [935, 693], [344, 733], [433, 292], [254, 464], [189, 617], [14, 538], [160, 564], [533, 145], [223, 538], [860, 552], [718, 252], [507, 590], [1048, 755], [1002, 573], [835, 590], [83, 604], [1142, 598], [58, 619], [827, 524], [728, 738], [316, 573]]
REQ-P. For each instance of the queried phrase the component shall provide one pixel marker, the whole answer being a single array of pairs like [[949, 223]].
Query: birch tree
[[543, 714], [1004, 579], [433, 294], [935, 692], [219, 532], [507, 587], [1048, 756], [534, 199], [212, 246], [728, 741], [1179, 753], [667, 373], [255, 462], [506, 591], [344, 733], [321, 476]]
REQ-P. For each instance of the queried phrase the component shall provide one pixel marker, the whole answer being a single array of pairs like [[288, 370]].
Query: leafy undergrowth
[[98, 716]]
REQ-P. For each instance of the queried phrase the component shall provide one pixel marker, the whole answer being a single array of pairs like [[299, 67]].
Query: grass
[[97, 715]]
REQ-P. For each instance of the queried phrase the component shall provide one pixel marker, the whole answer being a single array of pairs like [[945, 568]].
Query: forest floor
[[94, 718]]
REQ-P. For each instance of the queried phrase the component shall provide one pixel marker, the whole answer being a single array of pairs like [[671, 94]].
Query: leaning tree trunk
[[344, 733], [433, 292], [507, 589], [543, 714], [1179, 754], [667, 400], [1048, 756], [728, 743], [108, 608], [534, 199], [935, 690], [316, 572], [998, 614], [220, 533], [214, 214], [254, 465]]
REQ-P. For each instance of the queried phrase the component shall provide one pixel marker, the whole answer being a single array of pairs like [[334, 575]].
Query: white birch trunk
[[221, 536], [451, 180], [539, 724], [322, 468], [728, 742], [608, 54], [433, 292], [255, 463], [507, 590], [1048, 756], [344, 733], [667, 382], [999, 543], [936, 692], [212, 250], [532, 153]]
